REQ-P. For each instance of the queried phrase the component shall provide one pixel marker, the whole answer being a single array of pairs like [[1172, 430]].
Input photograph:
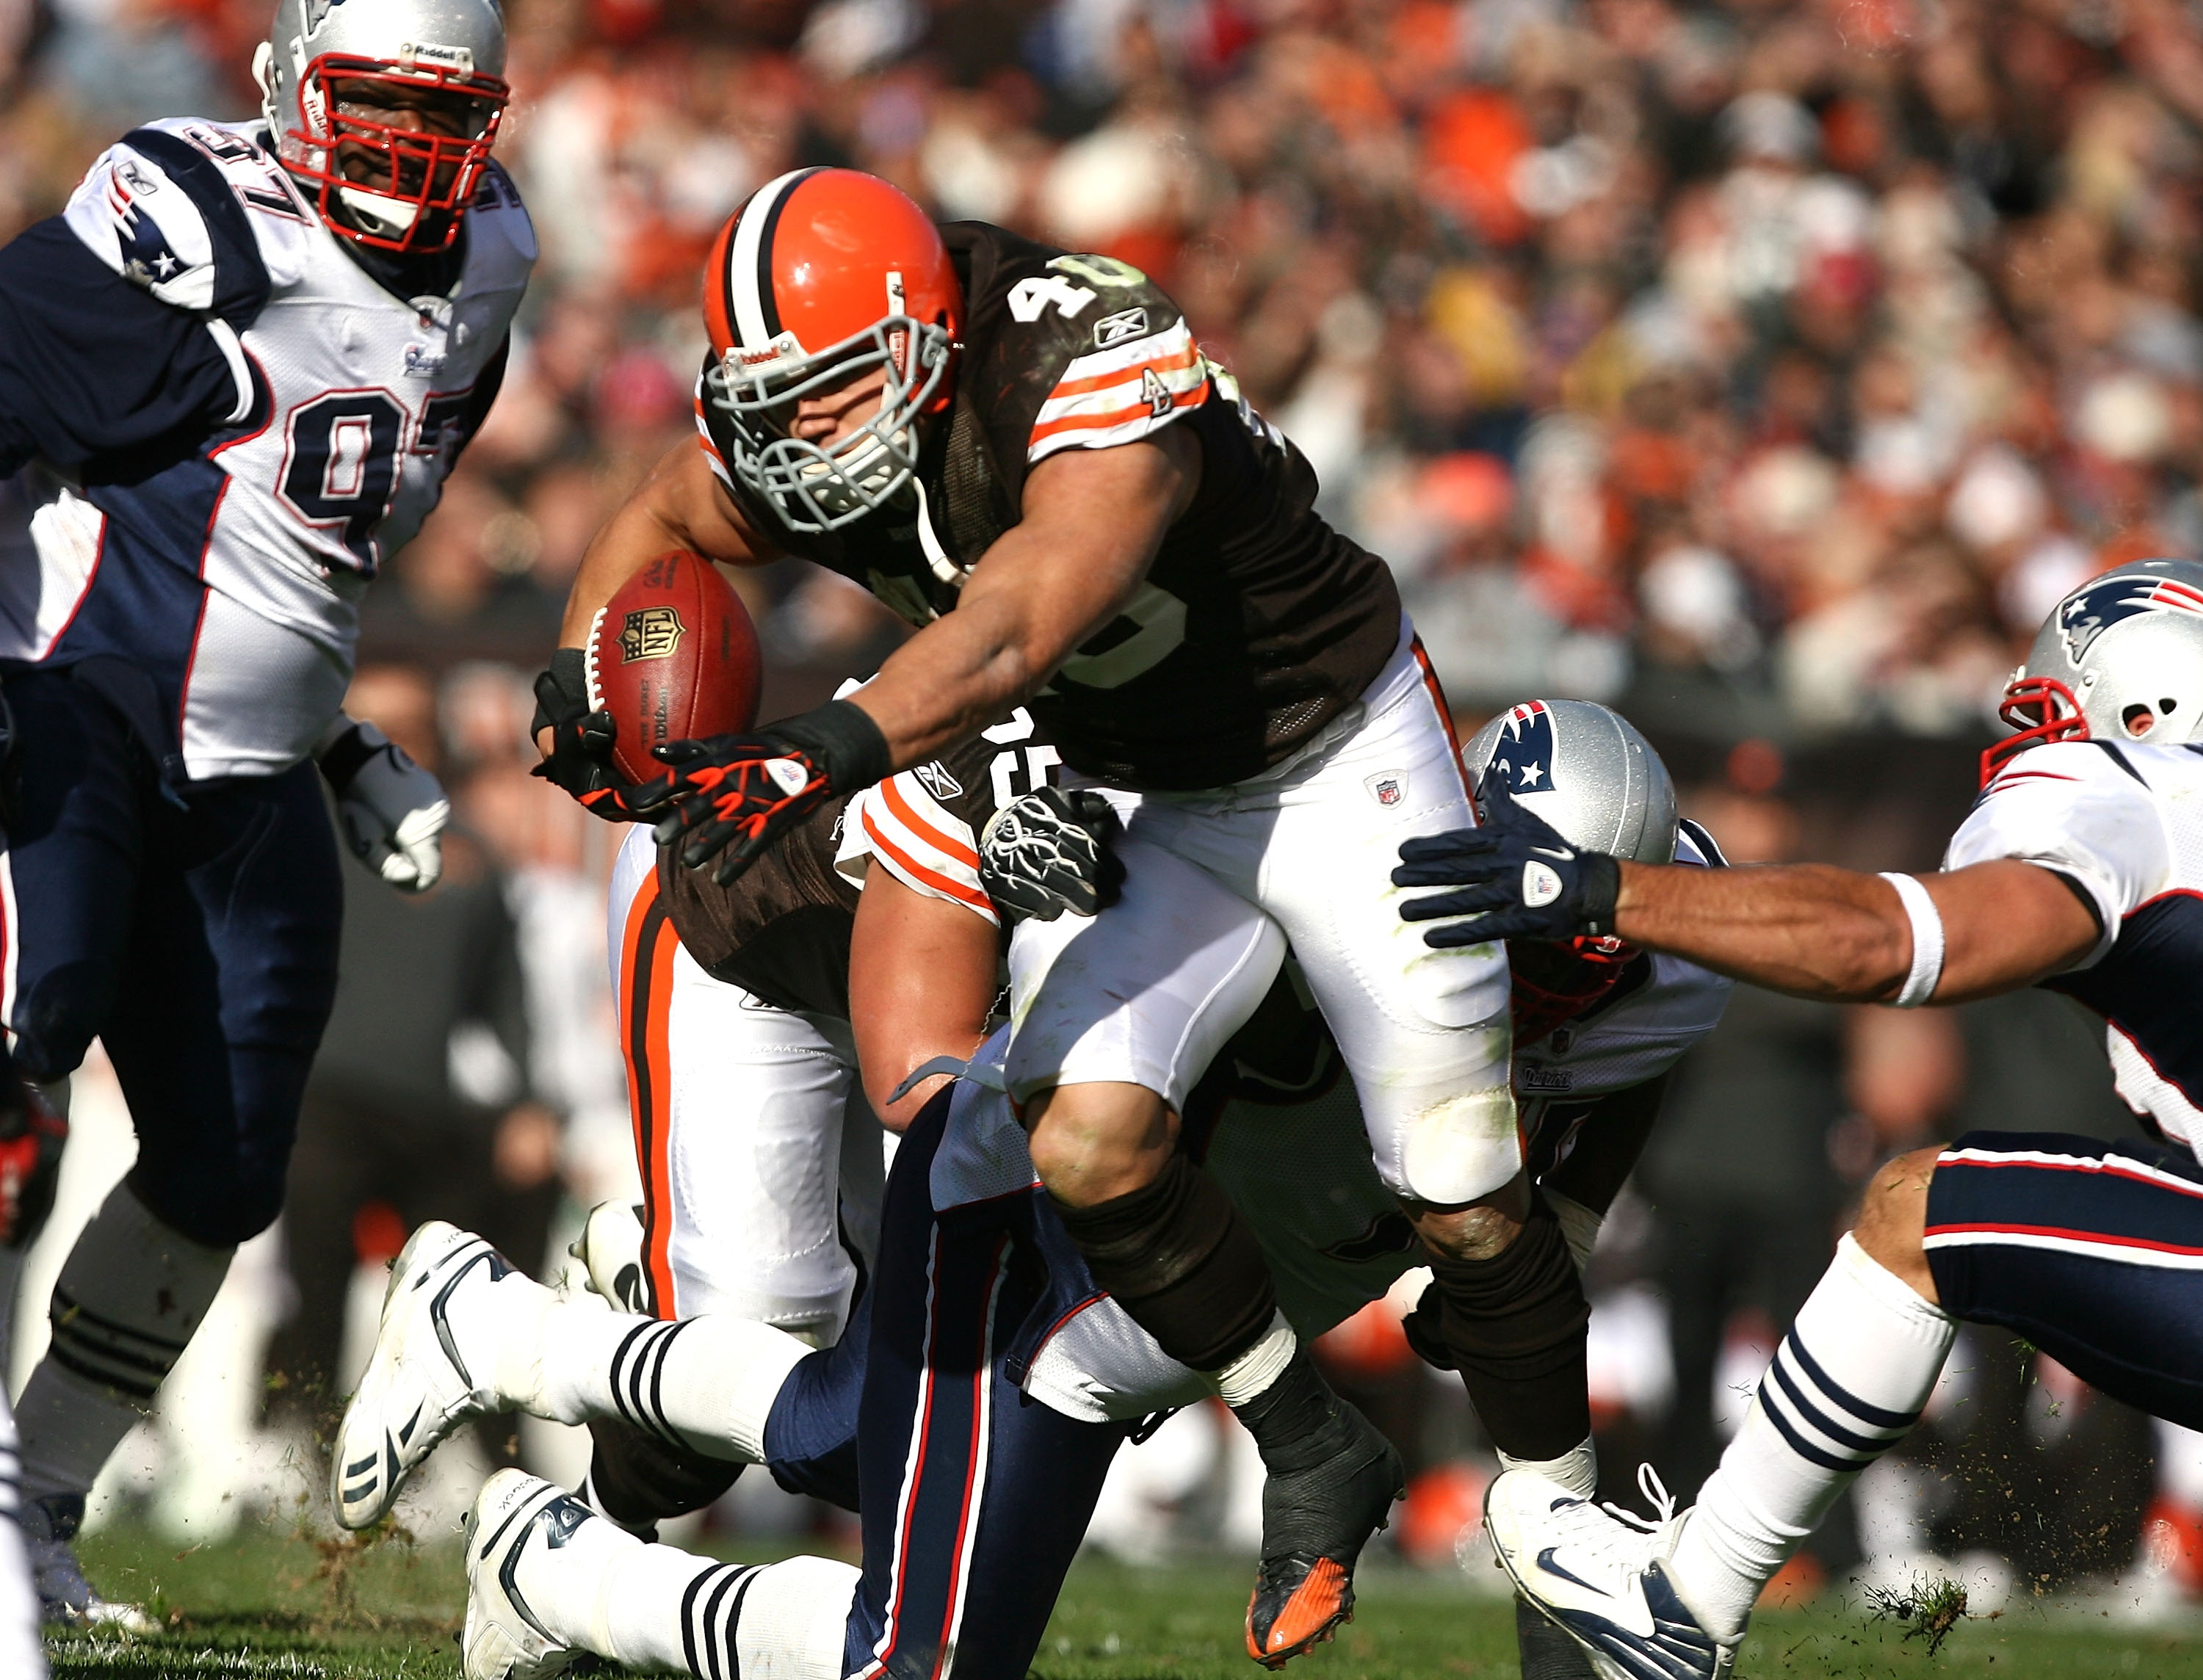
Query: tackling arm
[[1842, 936]]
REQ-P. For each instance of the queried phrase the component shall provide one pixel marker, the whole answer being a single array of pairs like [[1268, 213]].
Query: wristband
[[342, 749], [1927, 941], [1601, 878], [568, 674], [844, 740]]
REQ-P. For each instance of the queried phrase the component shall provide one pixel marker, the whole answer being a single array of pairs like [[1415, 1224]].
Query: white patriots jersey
[[2125, 823], [234, 573]]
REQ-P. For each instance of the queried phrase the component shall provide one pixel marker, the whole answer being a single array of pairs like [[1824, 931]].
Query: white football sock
[[131, 1293], [1576, 1470], [706, 1384], [1847, 1383], [654, 1606]]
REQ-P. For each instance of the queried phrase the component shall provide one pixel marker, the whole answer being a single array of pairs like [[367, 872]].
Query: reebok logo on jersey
[[651, 634], [1116, 329], [937, 781]]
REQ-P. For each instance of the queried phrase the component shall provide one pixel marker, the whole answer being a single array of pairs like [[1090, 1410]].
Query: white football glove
[[391, 809]]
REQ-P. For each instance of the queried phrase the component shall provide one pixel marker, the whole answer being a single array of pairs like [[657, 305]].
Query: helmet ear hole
[[2138, 719], [2167, 707]]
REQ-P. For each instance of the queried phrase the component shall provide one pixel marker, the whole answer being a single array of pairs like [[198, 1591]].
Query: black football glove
[[1049, 851], [581, 756], [739, 794], [1517, 878]]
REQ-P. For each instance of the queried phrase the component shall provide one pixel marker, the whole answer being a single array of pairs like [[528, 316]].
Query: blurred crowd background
[[1767, 369]]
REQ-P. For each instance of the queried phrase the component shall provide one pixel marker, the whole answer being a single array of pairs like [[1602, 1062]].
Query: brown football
[[672, 655]]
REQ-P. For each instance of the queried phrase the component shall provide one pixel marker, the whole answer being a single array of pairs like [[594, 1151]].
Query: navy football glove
[[1517, 879], [739, 794], [1048, 852], [32, 1134]]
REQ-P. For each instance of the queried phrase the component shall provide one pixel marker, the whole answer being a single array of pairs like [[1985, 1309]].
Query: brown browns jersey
[[781, 931], [1257, 622]]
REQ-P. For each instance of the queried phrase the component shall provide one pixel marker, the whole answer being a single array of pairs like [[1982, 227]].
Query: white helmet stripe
[[743, 268]]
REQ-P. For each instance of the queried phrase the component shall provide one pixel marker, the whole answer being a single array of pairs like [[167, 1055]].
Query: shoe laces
[[1613, 1540]]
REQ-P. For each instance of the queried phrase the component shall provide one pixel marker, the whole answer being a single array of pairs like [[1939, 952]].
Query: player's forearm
[[1806, 929], [678, 506], [965, 671], [921, 984]]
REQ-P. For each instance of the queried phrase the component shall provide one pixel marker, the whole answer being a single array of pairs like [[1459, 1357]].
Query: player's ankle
[[1296, 1420], [1718, 1594]]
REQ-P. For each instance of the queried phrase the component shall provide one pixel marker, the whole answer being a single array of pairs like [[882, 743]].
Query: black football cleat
[[1314, 1523]]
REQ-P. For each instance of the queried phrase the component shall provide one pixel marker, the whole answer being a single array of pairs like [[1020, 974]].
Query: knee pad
[[1178, 1257], [1457, 1150]]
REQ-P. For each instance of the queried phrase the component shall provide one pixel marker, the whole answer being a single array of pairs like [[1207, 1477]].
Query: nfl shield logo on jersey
[[1388, 789], [651, 634]]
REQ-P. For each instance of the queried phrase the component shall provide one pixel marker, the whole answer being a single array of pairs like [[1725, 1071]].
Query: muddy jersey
[[781, 931], [1257, 624]]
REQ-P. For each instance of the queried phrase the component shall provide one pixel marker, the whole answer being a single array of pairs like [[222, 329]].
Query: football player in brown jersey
[[1024, 453]]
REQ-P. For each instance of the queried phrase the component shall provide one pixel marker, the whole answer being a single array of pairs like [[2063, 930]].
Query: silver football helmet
[[2119, 659], [330, 75], [1585, 768]]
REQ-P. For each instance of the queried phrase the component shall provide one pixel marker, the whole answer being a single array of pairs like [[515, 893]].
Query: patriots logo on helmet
[[2095, 609], [1524, 750]]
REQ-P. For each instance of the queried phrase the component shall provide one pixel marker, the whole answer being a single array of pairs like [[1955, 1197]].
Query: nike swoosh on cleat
[[1545, 1563]]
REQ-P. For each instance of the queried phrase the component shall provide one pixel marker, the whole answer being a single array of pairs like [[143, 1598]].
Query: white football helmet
[[418, 179], [2119, 659]]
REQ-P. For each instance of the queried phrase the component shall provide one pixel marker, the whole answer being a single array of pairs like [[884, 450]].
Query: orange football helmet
[[822, 276]]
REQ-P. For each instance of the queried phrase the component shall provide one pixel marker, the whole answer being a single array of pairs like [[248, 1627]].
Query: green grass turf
[[267, 1605]]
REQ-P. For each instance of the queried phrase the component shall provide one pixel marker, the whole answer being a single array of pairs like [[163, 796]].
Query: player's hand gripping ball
[[1515, 877], [738, 793], [1049, 851], [671, 656]]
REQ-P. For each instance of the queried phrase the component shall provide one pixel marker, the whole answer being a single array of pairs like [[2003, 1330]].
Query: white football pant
[[758, 1152], [1147, 991]]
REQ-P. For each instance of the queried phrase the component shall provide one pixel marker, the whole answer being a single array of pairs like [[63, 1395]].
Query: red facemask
[[432, 173], [1540, 1006], [2042, 709]]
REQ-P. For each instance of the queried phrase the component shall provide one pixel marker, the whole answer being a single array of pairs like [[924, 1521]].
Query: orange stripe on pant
[[647, 946], [1446, 718]]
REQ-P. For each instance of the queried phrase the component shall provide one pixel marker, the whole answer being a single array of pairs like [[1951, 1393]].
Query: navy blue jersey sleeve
[[93, 366]]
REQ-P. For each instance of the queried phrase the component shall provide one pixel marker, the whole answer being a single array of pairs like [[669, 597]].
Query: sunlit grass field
[[268, 1604]]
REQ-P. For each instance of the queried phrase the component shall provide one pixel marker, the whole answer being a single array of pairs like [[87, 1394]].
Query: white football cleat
[[1597, 1574], [505, 1640], [419, 1385], [610, 1249]]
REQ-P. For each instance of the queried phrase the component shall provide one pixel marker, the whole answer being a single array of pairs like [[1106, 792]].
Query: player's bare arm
[[1809, 930], [1844, 937], [921, 983], [1093, 520], [682, 504]]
